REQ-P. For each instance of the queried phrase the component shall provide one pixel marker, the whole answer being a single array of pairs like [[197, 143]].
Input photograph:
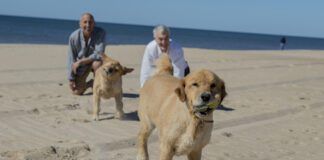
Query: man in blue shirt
[[86, 45]]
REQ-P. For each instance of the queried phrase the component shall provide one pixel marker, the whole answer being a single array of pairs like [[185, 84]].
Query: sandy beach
[[274, 109]]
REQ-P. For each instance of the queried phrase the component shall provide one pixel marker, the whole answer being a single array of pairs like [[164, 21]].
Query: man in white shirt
[[162, 44]]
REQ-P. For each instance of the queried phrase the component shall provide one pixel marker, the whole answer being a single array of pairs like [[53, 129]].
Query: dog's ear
[[180, 91], [127, 70], [223, 90]]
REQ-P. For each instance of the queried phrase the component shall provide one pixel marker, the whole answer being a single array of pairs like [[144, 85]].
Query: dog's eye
[[212, 86], [109, 70], [195, 84]]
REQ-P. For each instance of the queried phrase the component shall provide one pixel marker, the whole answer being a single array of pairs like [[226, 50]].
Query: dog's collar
[[202, 121], [207, 121]]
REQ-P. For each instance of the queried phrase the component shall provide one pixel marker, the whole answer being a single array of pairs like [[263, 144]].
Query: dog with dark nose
[[180, 109], [108, 84]]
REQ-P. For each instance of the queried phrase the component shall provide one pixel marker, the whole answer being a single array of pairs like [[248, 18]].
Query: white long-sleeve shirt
[[153, 52]]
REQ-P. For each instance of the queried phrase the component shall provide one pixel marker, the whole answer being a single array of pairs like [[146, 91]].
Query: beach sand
[[274, 109]]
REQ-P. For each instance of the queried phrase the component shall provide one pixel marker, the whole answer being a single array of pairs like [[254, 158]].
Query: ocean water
[[25, 30]]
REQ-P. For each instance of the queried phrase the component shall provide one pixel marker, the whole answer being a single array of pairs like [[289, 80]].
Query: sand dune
[[274, 108]]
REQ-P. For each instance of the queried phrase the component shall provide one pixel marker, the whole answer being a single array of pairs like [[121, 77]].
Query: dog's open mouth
[[202, 111]]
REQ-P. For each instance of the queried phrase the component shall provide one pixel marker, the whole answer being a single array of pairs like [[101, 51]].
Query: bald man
[[86, 45]]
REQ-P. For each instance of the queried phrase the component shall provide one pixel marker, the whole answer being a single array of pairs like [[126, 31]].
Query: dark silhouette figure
[[283, 43]]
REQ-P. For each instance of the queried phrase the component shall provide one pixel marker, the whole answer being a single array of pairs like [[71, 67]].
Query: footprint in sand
[[58, 121], [318, 116], [72, 106], [80, 120], [42, 96], [34, 111], [245, 106], [57, 151], [227, 134], [304, 98], [304, 107]]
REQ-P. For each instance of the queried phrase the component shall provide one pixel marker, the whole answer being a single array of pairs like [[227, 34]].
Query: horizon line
[[239, 32]]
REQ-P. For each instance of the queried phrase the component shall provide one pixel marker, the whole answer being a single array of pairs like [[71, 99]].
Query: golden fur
[[107, 84], [172, 106], [163, 65]]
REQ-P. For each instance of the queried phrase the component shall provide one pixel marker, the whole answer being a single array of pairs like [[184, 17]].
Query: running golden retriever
[[108, 84], [181, 110]]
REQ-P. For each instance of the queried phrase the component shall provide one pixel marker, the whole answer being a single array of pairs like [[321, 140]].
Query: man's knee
[[96, 65]]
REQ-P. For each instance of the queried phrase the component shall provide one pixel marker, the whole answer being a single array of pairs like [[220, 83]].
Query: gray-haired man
[[160, 45]]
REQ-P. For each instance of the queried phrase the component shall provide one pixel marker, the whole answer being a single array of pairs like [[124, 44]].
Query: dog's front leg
[[96, 106], [166, 151], [119, 106], [195, 155]]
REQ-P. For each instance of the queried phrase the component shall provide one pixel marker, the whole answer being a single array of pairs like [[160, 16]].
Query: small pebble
[[227, 134]]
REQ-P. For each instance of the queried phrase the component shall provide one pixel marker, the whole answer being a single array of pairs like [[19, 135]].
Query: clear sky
[[282, 17]]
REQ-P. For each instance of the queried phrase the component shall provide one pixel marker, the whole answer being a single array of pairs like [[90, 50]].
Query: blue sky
[[282, 17]]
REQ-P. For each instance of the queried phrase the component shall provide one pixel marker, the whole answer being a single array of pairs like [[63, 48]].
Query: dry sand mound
[[63, 151]]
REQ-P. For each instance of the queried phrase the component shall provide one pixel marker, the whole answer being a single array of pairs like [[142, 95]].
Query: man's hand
[[72, 85], [75, 66]]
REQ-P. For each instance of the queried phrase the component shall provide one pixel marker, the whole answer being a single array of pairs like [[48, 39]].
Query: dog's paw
[[119, 115], [141, 157], [95, 118]]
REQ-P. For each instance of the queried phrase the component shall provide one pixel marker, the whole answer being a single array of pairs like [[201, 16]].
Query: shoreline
[[141, 45]]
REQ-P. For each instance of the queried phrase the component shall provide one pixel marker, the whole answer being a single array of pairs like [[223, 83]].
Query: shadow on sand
[[126, 95], [223, 108], [130, 95], [131, 116]]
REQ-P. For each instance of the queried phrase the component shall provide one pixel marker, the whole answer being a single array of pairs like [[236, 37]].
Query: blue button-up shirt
[[78, 49]]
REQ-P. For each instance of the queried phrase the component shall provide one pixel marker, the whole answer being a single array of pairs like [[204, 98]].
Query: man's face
[[163, 41], [87, 25]]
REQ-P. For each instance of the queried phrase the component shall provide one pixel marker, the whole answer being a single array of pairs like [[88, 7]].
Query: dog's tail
[[104, 57], [163, 65]]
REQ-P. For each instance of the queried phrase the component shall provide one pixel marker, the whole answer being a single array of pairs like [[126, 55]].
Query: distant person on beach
[[86, 45], [282, 43], [162, 44]]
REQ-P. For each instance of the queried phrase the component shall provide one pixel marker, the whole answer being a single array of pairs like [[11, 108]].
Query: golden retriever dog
[[108, 84], [181, 110]]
